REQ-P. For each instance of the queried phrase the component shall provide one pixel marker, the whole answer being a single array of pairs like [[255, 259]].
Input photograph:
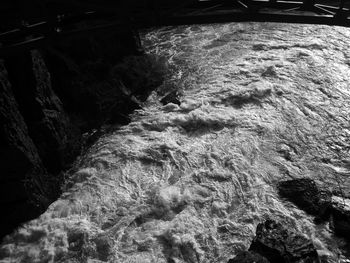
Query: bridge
[[25, 25]]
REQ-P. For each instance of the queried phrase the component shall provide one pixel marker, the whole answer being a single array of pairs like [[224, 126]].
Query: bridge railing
[[72, 18]]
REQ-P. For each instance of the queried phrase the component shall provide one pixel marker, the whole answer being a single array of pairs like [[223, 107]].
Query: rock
[[16, 145], [248, 257], [19, 160], [102, 88], [306, 195], [35, 139], [41, 109], [172, 97], [340, 216], [279, 244]]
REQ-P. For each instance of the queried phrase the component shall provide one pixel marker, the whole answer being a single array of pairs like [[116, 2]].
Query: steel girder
[[71, 18]]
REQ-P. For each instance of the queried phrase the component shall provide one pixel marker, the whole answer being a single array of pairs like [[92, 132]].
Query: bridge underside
[[29, 24]]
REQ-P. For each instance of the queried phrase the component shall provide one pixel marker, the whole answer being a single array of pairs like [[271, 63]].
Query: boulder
[[306, 195], [172, 97], [279, 244], [340, 216]]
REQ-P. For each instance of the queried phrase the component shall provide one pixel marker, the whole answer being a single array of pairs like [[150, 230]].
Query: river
[[260, 103]]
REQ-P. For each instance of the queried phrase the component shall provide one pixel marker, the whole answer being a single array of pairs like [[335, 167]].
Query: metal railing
[[73, 18]]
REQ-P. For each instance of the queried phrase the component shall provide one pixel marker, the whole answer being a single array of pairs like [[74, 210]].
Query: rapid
[[260, 103]]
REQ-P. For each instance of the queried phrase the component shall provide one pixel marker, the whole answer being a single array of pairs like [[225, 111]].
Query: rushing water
[[262, 102]]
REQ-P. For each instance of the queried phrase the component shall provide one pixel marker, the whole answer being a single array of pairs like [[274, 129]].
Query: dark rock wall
[[22, 171], [49, 98], [86, 65], [105, 77], [40, 107]]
